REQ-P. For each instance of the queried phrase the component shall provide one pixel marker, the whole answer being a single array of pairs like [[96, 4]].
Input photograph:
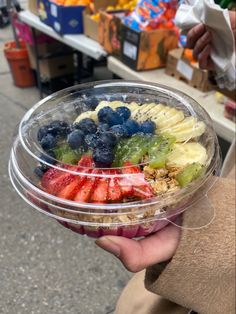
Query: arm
[[200, 274]]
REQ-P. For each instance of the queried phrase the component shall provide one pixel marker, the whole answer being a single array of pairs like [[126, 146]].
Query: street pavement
[[45, 268]]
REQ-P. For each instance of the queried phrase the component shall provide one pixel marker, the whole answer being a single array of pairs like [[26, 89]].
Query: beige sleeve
[[201, 275]]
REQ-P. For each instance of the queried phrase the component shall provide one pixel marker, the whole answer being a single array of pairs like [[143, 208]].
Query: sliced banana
[[187, 123], [140, 114], [88, 114], [185, 135], [168, 117], [184, 154]]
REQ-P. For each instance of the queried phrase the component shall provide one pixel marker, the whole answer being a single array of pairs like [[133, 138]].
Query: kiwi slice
[[159, 148], [66, 155], [189, 174]]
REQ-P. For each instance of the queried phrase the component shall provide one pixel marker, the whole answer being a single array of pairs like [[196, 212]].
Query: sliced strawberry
[[114, 190], [85, 190], [100, 193], [71, 189], [129, 168], [55, 180], [143, 192], [86, 161]]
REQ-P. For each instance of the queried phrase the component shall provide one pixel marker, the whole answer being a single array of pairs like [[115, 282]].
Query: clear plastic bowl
[[130, 219]]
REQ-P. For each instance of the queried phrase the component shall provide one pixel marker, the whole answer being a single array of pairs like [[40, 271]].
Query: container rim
[[174, 93]]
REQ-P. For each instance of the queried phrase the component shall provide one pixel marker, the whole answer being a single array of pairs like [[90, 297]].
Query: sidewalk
[[45, 269]]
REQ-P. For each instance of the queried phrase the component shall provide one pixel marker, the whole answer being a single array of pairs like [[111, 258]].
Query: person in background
[[182, 271]]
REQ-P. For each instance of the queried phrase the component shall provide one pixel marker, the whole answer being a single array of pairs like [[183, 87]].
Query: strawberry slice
[[86, 161], [71, 189], [114, 190], [85, 190], [100, 193], [140, 187], [55, 180], [143, 192]]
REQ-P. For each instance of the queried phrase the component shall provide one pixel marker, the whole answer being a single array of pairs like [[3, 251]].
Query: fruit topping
[[190, 173], [132, 127], [103, 113], [113, 118], [119, 130], [87, 126], [48, 142], [148, 127], [123, 112], [75, 139], [103, 157]]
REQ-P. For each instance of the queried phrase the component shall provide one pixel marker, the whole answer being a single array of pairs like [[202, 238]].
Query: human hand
[[137, 255], [200, 40]]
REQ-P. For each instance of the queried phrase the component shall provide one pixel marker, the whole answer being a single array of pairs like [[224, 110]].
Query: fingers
[[137, 255], [194, 34], [204, 59], [201, 44]]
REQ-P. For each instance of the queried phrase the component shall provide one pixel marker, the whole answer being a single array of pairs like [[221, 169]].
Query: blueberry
[[106, 140], [48, 142], [103, 157], [43, 131], [58, 128], [88, 126], [103, 113], [132, 127], [91, 140], [50, 157], [119, 130], [123, 112], [76, 139], [39, 171], [113, 118], [148, 127], [103, 127]]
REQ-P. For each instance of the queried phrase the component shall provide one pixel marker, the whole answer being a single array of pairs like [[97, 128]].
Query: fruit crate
[[182, 69]]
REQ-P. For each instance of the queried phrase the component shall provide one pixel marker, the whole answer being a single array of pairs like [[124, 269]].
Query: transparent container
[[131, 218]]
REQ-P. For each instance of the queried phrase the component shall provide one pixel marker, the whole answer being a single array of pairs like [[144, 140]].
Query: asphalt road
[[44, 268]]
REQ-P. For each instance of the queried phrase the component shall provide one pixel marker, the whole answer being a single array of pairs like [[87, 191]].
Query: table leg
[[39, 83]]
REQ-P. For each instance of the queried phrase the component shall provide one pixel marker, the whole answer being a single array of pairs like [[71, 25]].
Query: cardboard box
[[148, 49], [110, 31], [183, 70], [44, 12], [33, 6], [91, 26], [67, 19], [55, 60]]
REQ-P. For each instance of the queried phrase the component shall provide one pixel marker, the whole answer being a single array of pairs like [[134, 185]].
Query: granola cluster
[[162, 180]]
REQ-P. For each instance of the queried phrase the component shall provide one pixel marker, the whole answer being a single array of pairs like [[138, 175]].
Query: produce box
[[147, 50], [91, 24], [55, 60], [33, 6], [182, 69], [67, 19], [44, 12], [110, 30]]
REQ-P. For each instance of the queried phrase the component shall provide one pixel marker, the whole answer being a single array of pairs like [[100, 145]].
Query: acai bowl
[[115, 158]]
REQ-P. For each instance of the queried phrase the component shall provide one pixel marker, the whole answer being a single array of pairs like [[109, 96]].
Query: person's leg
[[135, 299]]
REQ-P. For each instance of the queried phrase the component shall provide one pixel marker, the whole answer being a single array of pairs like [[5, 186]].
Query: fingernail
[[108, 245]]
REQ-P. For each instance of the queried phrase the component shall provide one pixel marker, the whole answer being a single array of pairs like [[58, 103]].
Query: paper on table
[[193, 12]]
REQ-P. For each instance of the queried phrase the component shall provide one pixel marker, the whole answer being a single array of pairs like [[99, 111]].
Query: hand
[[200, 39], [137, 255]]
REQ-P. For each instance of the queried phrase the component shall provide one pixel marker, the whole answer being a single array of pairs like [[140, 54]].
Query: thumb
[[137, 255]]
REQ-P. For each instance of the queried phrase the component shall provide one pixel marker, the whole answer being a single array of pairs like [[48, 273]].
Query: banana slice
[[184, 154], [141, 113], [185, 135], [168, 117], [112, 104], [88, 114], [187, 123]]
